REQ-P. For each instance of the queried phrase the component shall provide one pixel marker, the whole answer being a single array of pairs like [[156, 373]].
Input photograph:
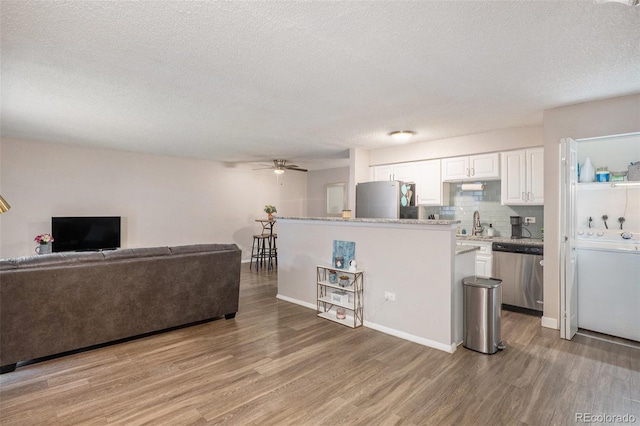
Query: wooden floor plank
[[277, 363]]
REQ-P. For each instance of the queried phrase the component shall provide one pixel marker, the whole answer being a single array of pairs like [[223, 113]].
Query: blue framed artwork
[[343, 252]]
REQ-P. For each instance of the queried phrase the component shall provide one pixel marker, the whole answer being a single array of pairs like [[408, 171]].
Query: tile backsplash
[[487, 203]]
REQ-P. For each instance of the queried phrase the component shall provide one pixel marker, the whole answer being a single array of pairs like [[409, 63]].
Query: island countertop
[[466, 249], [370, 220]]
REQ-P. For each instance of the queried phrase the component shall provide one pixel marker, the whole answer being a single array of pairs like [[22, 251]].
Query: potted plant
[[344, 281], [45, 241], [270, 210]]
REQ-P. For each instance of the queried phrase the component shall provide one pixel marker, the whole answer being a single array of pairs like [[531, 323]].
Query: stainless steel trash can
[[482, 303]]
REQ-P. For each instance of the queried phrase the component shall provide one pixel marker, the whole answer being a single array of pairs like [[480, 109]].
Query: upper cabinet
[[474, 167], [403, 172], [430, 191], [523, 177]]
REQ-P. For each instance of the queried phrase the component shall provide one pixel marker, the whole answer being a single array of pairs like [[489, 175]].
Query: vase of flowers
[[44, 241], [270, 210]]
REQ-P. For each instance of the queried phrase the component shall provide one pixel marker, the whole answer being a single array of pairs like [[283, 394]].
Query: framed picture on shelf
[[343, 252]]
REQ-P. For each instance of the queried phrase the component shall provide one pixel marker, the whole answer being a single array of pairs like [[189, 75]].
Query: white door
[[568, 255]]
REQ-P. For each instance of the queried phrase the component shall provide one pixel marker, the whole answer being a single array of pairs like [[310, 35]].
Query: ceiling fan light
[[278, 171], [402, 135], [4, 206]]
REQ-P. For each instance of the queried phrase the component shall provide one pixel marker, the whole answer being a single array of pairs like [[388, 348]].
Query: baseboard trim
[[410, 337], [296, 302], [393, 332], [549, 323]]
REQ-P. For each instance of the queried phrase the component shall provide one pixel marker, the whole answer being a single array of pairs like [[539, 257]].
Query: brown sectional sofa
[[60, 302]]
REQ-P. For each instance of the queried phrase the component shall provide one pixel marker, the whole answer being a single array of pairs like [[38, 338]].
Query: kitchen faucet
[[477, 228]]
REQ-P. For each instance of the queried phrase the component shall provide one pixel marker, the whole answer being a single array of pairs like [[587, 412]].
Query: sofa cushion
[[196, 248]]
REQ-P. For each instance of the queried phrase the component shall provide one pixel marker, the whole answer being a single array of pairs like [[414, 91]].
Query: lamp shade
[[4, 206]]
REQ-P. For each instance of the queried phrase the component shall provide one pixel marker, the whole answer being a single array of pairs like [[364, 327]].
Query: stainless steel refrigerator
[[386, 200]]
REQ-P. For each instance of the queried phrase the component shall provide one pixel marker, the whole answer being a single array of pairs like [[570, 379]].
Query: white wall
[[162, 200], [613, 116], [494, 141]]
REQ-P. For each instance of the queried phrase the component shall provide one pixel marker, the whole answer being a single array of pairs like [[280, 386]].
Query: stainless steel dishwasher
[[519, 266]]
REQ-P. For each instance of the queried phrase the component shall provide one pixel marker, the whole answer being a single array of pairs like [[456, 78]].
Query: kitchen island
[[414, 260]]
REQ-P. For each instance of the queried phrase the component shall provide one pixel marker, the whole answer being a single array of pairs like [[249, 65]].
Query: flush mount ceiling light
[[278, 170], [402, 135]]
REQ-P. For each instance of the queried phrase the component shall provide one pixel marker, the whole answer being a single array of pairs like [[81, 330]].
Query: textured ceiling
[[248, 81]]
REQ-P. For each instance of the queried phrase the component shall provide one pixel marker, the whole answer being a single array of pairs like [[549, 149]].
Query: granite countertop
[[466, 249], [356, 220], [524, 241]]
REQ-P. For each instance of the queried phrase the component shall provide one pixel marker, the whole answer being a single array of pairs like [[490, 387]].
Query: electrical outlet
[[529, 220], [391, 297]]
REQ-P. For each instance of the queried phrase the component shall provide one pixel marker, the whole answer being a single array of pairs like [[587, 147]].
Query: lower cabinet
[[484, 257], [484, 264], [340, 295]]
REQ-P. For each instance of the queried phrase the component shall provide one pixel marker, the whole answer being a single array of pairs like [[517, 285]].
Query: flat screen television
[[88, 233]]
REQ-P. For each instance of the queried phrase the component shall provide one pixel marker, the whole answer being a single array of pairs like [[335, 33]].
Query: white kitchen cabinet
[[474, 167], [484, 265], [430, 190], [484, 256], [535, 175], [382, 173], [403, 172], [523, 177]]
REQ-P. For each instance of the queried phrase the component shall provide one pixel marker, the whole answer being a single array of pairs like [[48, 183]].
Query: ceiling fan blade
[[263, 168], [296, 168]]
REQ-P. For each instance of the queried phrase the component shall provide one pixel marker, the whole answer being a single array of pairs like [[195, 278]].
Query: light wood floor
[[278, 364]]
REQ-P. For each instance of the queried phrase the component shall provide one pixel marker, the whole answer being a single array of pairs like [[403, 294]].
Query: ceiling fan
[[279, 166]]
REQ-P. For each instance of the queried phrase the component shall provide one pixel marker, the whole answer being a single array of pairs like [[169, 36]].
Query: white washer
[[609, 282]]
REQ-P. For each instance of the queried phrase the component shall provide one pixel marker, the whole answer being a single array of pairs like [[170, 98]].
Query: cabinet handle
[[473, 171], [468, 172], [529, 196]]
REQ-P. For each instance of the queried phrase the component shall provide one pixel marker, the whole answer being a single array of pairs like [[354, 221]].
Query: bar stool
[[259, 250], [273, 250], [266, 251]]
